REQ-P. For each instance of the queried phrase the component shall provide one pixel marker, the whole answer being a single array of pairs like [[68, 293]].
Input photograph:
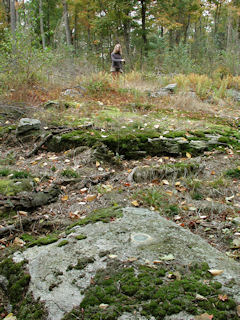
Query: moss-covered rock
[[105, 215], [17, 279], [11, 187], [125, 288], [138, 143]]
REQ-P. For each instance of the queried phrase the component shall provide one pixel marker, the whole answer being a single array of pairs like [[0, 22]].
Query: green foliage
[[233, 173], [152, 197], [69, 173]]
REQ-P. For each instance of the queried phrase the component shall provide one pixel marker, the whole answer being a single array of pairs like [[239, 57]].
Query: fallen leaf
[[19, 242], [90, 197], [36, 179], [223, 297], [200, 298], [209, 199], [168, 257], [169, 192], [98, 164], [132, 259], [83, 190], [165, 182], [188, 155], [112, 256], [229, 199], [10, 316], [204, 316], [238, 310], [23, 213], [74, 215], [64, 198], [236, 243], [135, 203], [215, 272]]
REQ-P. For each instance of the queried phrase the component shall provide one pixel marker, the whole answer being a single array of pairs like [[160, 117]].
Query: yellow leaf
[[23, 213], [64, 198], [98, 164], [169, 192], [215, 272], [36, 179], [10, 316], [135, 203], [188, 155], [90, 197]]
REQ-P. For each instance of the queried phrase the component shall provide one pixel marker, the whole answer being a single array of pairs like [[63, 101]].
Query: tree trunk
[[186, 29], [13, 18], [67, 26], [41, 24], [143, 18]]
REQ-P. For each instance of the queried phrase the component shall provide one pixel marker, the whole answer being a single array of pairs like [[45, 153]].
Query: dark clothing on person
[[116, 61]]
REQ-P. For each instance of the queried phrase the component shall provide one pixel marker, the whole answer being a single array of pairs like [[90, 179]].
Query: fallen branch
[[35, 150], [86, 181]]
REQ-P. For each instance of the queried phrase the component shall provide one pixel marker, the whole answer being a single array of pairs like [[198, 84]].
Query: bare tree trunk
[[67, 26], [41, 24], [13, 18], [143, 17]]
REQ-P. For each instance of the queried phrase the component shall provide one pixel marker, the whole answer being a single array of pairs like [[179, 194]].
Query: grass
[[155, 198]]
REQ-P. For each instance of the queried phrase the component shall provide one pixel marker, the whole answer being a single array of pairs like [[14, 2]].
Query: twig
[[35, 150]]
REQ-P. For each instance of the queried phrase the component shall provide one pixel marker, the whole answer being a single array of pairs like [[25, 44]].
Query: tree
[[41, 24], [66, 21]]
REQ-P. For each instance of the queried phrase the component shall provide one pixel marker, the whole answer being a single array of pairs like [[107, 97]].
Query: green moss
[[81, 237], [63, 243], [11, 187], [31, 309], [27, 237], [18, 280], [175, 134], [81, 264], [43, 241], [126, 289], [105, 215]]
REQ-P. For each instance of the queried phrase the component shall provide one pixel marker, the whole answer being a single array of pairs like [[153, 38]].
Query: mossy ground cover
[[152, 291], [104, 214], [24, 306], [11, 187], [139, 142]]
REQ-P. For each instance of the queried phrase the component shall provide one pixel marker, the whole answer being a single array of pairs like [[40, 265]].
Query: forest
[[182, 36]]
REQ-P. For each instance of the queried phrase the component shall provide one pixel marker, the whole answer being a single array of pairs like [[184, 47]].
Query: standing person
[[117, 60]]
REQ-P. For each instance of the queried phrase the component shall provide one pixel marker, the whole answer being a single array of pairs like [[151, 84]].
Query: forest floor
[[206, 201]]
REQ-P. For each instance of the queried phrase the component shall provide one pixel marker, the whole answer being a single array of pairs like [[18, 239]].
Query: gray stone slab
[[140, 233]]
